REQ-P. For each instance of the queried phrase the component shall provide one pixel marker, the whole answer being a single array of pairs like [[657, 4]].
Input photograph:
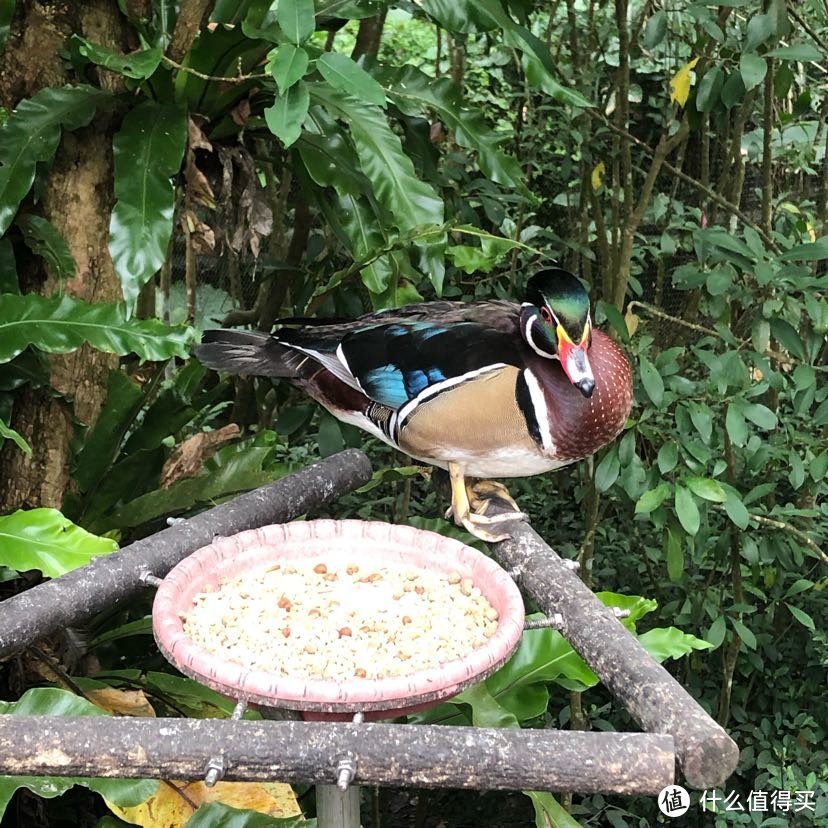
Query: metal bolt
[[149, 579], [345, 771], [555, 621], [620, 613], [216, 768], [174, 521], [570, 564], [359, 717], [239, 710]]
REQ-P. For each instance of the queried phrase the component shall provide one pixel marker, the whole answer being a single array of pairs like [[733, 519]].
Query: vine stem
[[797, 533], [190, 71]]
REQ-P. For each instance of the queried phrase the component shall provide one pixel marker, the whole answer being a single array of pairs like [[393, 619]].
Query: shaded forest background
[[168, 167]]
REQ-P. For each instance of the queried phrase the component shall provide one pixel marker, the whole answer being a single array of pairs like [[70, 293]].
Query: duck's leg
[[475, 522]]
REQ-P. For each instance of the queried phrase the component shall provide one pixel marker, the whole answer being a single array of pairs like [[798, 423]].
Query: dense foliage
[[298, 158]]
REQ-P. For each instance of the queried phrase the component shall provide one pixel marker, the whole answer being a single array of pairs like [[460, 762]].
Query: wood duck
[[484, 389]]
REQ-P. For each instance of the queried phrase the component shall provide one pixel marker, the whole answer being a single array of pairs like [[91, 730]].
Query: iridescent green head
[[556, 324]]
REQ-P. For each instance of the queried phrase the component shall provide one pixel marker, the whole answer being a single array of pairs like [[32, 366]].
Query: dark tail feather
[[248, 352]]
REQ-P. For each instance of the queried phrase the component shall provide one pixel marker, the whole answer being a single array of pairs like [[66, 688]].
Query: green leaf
[[667, 457], [615, 318], [652, 381], [759, 414], [49, 701], [736, 426], [668, 642], [219, 815], [706, 488], [8, 433], [138, 65], [44, 539], [285, 118], [343, 73], [788, 337], [414, 205], [608, 470], [797, 51], [753, 70], [801, 616], [549, 813], [736, 510], [45, 240], [716, 633], [416, 93], [31, 134], [653, 498], [759, 28], [810, 252], [733, 91], [687, 511], [537, 62], [675, 556], [411, 202], [748, 638], [486, 710], [59, 324], [235, 468], [656, 29], [124, 399], [287, 64], [296, 19], [148, 150], [709, 90]]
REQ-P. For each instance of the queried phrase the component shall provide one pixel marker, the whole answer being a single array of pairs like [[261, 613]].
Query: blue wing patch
[[394, 363]]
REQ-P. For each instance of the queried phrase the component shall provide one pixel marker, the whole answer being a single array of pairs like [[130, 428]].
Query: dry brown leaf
[[241, 112], [176, 802], [121, 702], [187, 460], [201, 235]]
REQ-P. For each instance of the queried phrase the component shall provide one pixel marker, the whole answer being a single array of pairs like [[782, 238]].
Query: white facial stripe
[[439, 387], [527, 335], [540, 409]]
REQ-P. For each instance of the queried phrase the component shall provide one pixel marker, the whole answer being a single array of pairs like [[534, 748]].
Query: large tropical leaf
[[138, 65], [58, 324], [148, 151], [412, 203], [44, 539], [31, 135], [409, 200], [49, 701], [414, 93]]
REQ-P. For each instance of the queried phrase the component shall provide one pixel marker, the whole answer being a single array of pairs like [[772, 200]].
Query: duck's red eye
[[546, 314]]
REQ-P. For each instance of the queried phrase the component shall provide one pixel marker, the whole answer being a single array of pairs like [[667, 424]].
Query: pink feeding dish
[[340, 543]]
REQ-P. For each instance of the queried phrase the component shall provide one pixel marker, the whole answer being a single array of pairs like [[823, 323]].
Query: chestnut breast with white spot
[[581, 425]]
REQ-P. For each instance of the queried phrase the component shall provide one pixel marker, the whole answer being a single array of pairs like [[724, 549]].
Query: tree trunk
[[77, 199]]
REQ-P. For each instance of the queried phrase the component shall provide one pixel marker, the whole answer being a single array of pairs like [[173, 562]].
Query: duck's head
[[555, 323]]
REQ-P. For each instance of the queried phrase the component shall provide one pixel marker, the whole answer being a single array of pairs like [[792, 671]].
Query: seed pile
[[311, 620]]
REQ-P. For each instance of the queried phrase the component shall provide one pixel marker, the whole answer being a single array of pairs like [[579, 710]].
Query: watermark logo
[[673, 801]]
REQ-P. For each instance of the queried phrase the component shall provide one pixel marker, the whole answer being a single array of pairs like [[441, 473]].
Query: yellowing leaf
[[121, 702], [176, 802], [632, 322], [681, 83], [598, 175], [810, 230]]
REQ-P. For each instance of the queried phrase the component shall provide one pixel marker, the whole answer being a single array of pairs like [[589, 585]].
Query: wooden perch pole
[[706, 754], [79, 594], [311, 752]]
